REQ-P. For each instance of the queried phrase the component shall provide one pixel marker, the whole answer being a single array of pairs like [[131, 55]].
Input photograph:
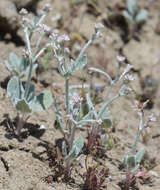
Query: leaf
[[132, 7], [31, 93], [76, 148], [15, 90], [129, 161], [141, 16], [90, 115], [64, 148], [14, 60], [90, 105], [127, 16], [42, 102], [8, 66], [79, 63], [104, 111], [23, 106], [107, 123], [139, 155], [78, 143]]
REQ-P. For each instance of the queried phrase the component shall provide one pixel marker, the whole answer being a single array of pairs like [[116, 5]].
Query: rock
[[24, 3], [8, 17]]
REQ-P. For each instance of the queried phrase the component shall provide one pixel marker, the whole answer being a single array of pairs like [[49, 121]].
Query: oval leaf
[[141, 16], [15, 90], [23, 106], [42, 102]]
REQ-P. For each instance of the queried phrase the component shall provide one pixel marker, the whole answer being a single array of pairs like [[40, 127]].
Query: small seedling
[[134, 16], [23, 97], [133, 160]]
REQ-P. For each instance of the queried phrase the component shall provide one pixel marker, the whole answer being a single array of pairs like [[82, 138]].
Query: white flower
[[126, 70], [99, 121], [120, 58], [23, 11], [76, 99], [26, 20], [152, 117], [66, 50], [98, 26], [47, 7], [44, 28], [63, 38], [129, 77]]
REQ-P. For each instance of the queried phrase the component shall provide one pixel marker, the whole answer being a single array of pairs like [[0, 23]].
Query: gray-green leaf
[[141, 16], [23, 106], [42, 102], [132, 6], [15, 90], [139, 155], [127, 16], [79, 63]]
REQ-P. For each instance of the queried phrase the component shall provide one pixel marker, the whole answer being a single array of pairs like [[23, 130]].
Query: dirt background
[[25, 165]]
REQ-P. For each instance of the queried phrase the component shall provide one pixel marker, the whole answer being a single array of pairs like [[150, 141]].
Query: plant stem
[[136, 141], [31, 63], [28, 80], [20, 125], [67, 93], [108, 92], [140, 128], [72, 136]]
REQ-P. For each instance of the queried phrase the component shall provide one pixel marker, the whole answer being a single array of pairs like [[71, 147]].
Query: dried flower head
[[140, 106]]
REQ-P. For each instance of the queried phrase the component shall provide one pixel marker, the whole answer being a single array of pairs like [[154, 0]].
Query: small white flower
[[66, 50], [44, 28], [47, 7], [63, 38], [76, 99], [99, 121], [120, 58], [126, 70], [152, 117], [23, 12], [26, 20], [129, 77], [98, 26]]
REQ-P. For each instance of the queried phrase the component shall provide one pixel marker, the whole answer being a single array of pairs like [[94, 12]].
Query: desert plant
[[72, 120], [98, 138], [133, 160], [134, 16], [22, 97]]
